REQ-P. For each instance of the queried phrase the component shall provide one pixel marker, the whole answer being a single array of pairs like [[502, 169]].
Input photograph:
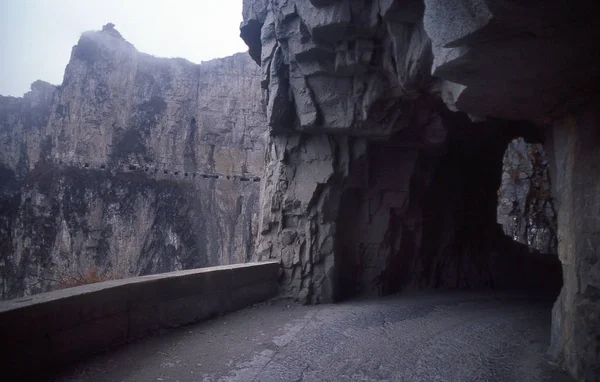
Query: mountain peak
[[110, 29]]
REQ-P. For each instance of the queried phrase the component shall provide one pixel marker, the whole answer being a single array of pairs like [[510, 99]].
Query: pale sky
[[36, 36]]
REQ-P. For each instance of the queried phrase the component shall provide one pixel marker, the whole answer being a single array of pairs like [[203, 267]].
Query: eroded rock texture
[[373, 184], [525, 203], [134, 165], [574, 143]]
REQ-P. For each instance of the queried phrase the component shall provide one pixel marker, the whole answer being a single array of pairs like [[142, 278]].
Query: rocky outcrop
[[350, 67], [22, 126], [373, 185], [134, 165], [525, 203]]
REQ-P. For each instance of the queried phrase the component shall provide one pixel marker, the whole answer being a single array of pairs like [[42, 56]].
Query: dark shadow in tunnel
[[445, 234], [348, 259]]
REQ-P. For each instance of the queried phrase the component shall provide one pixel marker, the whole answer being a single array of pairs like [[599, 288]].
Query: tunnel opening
[[426, 219]]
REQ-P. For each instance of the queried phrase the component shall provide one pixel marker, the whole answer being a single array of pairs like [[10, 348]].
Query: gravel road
[[452, 336]]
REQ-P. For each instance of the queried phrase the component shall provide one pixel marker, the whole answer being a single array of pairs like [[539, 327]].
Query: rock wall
[[23, 124], [574, 162], [350, 216], [373, 185], [134, 165]]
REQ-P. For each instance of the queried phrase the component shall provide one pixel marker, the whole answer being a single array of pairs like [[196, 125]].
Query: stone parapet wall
[[54, 328]]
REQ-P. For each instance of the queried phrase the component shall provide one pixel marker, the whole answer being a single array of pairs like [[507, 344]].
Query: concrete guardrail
[[48, 330]]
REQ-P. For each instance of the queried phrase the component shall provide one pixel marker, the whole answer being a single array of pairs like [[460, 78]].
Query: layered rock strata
[[134, 165], [373, 185]]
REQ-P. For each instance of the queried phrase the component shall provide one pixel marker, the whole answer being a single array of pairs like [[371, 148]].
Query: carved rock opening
[[425, 219]]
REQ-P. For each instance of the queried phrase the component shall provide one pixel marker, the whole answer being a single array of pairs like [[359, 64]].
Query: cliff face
[[134, 165], [390, 120]]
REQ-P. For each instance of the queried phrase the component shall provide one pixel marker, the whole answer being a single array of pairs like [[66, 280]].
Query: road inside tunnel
[[420, 336]]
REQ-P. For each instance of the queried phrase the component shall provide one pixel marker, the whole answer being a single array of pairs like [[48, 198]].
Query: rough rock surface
[[573, 148], [134, 165], [525, 204], [373, 185]]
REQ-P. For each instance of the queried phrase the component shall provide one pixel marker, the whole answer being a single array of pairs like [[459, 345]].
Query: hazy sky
[[36, 36]]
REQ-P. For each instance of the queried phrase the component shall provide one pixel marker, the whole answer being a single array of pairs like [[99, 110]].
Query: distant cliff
[[134, 165]]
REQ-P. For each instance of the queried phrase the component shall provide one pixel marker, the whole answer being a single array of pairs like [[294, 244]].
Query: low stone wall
[[47, 330]]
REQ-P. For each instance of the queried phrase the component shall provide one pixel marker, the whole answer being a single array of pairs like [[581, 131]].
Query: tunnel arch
[[427, 220]]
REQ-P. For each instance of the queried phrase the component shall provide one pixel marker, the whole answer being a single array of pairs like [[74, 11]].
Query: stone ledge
[[50, 329]]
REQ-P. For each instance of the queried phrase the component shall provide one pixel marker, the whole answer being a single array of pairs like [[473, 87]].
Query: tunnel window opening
[[526, 213], [526, 208]]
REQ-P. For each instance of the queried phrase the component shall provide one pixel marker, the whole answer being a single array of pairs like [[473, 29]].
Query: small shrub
[[77, 278]]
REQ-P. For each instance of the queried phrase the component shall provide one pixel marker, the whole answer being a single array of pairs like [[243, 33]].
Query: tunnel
[[426, 218]]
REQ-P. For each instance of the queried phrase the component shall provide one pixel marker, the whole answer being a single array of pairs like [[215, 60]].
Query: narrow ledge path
[[443, 336]]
